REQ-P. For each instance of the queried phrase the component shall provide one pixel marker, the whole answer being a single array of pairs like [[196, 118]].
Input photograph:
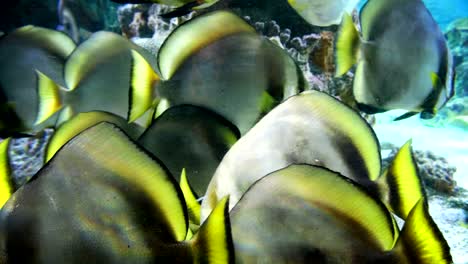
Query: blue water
[[444, 11]]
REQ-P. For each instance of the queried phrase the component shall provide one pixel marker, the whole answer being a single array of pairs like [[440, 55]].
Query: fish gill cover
[[281, 120]]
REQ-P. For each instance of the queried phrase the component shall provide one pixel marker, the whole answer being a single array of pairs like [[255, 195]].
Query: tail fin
[[142, 79], [421, 240], [49, 97], [6, 184], [400, 183], [213, 241], [347, 46]]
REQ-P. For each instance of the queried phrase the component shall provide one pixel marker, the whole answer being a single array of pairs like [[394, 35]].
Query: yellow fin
[[400, 183], [435, 80], [195, 34], [347, 46], [421, 240], [267, 102], [190, 198], [6, 185], [49, 97], [142, 80], [79, 123], [213, 241]]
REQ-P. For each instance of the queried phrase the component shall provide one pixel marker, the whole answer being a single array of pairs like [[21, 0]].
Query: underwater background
[[440, 144]]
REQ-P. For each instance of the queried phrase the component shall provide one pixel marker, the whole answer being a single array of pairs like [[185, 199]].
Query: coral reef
[[27, 155], [144, 25], [435, 171], [457, 37]]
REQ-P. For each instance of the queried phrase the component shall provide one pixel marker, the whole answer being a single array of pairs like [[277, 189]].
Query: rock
[[144, 25]]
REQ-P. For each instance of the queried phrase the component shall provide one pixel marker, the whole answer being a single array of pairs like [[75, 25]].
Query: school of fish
[[216, 150]]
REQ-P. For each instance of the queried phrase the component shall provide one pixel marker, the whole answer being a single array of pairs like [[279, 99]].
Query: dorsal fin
[[421, 240], [401, 183], [195, 34], [83, 121], [213, 244], [190, 198]]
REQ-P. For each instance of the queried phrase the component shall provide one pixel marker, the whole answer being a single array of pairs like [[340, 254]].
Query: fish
[[66, 131], [22, 52], [115, 202], [190, 137], [315, 128], [100, 74], [323, 13], [182, 7], [82, 121], [311, 127], [402, 57], [309, 214], [227, 68]]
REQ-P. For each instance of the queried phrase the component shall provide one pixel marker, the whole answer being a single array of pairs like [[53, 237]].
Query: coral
[[457, 38], [322, 56], [314, 54], [435, 171], [27, 155], [132, 20], [144, 21]]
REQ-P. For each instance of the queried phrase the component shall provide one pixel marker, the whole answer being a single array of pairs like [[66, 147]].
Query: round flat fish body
[[96, 201], [402, 48], [228, 77], [323, 12], [312, 128], [283, 218], [193, 138]]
